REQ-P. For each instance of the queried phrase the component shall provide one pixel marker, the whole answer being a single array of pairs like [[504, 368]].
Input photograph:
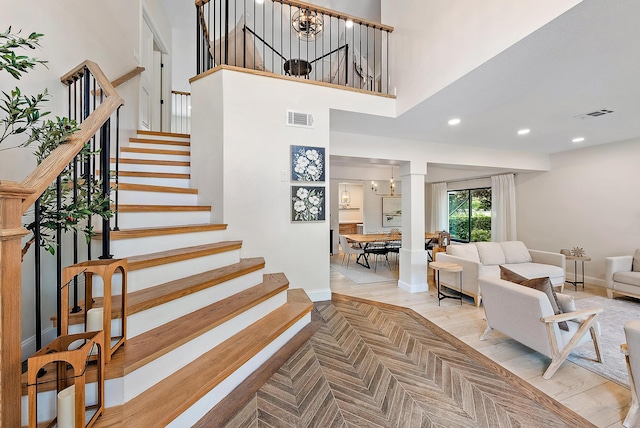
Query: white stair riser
[[179, 148], [151, 318], [135, 197], [162, 137], [160, 368], [116, 328], [152, 168], [184, 183], [135, 220], [157, 156], [121, 248], [213, 397], [155, 275], [47, 402]]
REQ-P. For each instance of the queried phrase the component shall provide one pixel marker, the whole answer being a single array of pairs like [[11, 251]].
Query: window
[[470, 215]]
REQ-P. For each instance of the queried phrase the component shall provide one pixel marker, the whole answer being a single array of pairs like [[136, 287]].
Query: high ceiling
[[586, 60]]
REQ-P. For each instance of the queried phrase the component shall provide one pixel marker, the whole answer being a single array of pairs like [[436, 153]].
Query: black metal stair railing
[[85, 182], [291, 38]]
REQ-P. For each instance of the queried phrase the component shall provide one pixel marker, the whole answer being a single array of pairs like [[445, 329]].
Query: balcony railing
[[294, 39]]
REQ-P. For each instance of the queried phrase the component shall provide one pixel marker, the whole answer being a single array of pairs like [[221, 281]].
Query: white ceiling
[[585, 60]]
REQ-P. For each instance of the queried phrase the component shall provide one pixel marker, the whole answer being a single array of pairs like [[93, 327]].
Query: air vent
[[596, 113], [295, 118]]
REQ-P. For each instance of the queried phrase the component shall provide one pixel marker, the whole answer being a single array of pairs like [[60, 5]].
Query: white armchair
[[631, 350], [526, 315], [621, 277]]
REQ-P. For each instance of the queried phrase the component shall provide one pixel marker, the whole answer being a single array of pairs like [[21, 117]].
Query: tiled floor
[[602, 402]]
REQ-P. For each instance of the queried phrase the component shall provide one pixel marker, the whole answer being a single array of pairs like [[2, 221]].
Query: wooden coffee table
[[447, 267]]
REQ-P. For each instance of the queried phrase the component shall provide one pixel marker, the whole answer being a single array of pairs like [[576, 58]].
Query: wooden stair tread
[[151, 162], [138, 301], [145, 174], [160, 231], [170, 256], [169, 398], [111, 418], [142, 349], [147, 298], [152, 188], [155, 151], [163, 134], [128, 208]]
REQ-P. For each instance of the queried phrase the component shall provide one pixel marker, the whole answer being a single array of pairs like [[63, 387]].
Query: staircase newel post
[[11, 233]]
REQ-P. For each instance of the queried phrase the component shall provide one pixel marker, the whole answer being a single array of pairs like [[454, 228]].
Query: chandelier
[[307, 23], [392, 187]]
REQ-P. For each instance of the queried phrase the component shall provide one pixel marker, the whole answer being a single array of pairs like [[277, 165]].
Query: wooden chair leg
[[609, 293], [558, 356]]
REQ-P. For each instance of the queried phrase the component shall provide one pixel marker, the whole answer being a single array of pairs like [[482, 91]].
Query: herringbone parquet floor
[[374, 365]]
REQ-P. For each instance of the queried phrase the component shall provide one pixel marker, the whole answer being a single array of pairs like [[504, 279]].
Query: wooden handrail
[[325, 11], [45, 173], [126, 77], [180, 93]]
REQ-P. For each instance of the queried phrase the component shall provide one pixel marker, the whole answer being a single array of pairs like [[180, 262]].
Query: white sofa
[[622, 274], [480, 259]]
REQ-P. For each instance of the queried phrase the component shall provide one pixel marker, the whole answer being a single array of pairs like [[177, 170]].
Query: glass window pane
[[459, 215], [481, 215]]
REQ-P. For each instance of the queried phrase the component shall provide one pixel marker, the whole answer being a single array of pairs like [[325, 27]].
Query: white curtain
[[439, 219], [503, 208]]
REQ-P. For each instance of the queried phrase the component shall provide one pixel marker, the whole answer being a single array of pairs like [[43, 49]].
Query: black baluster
[[105, 143], [38, 274]]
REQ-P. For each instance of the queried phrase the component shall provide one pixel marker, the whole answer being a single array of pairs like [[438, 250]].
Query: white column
[[413, 257]]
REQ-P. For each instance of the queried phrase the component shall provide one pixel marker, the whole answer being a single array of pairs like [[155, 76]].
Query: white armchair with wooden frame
[[525, 314], [631, 351]]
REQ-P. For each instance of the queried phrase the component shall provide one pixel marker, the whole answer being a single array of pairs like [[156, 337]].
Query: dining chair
[[432, 242], [348, 250]]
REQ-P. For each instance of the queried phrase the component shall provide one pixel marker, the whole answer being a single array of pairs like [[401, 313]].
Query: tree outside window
[[470, 214]]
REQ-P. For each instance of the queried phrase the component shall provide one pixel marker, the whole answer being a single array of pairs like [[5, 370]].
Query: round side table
[[577, 259], [447, 267]]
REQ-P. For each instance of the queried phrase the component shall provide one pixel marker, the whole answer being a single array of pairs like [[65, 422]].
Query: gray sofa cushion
[[515, 252], [490, 253]]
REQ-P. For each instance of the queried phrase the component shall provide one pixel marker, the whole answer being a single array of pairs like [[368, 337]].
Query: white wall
[[589, 199], [74, 30], [436, 42], [256, 202]]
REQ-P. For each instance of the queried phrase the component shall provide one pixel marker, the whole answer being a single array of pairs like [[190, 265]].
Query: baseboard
[[411, 288], [319, 295], [29, 344]]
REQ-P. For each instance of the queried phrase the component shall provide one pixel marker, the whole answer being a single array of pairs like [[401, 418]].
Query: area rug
[[362, 275], [377, 365], [616, 313]]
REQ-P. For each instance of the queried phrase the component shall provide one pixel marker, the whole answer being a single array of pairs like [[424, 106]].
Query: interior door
[[146, 80]]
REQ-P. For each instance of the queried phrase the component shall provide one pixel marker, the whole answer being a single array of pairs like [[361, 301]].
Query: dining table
[[365, 241]]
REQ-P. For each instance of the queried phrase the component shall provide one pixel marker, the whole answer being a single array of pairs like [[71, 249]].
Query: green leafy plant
[[23, 115]]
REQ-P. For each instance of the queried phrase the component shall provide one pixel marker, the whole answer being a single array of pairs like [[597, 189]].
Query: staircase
[[201, 319]]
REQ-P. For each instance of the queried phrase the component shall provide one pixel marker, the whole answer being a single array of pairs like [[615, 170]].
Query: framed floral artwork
[[307, 203], [391, 212], [307, 163]]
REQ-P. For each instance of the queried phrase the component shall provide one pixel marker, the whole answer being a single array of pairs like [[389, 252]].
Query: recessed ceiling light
[[524, 131], [454, 121], [348, 24], [578, 140]]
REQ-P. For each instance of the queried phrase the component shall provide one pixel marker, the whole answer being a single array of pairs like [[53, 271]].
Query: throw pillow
[[636, 261], [490, 253], [540, 284], [515, 252]]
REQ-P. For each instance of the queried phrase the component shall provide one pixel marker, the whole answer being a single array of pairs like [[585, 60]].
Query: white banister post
[[413, 256]]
